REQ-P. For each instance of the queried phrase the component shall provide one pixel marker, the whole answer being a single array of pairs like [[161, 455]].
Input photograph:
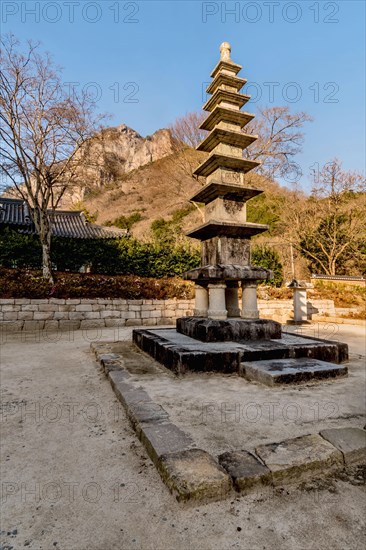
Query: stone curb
[[351, 442], [300, 459], [193, 475], [246, 470], [297, 460]]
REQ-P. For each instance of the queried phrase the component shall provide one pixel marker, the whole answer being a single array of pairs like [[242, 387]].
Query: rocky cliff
[[114, 153]]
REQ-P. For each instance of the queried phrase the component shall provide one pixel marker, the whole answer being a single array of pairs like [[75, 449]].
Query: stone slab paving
[[193, 474], [350, 441], [290, 371], [301, 458]]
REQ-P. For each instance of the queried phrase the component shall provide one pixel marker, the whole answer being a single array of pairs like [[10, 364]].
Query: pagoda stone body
[[225, 235]]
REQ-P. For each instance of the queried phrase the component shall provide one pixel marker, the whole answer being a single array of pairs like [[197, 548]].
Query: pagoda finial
[[225, 51]]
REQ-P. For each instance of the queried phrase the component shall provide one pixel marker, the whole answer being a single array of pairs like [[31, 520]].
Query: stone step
[[290, 371]]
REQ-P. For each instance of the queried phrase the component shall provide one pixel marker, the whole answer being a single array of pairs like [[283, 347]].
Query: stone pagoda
[[223, 335], [225, 235]]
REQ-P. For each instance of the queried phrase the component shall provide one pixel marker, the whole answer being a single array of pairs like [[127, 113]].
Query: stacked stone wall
[[58, 314]]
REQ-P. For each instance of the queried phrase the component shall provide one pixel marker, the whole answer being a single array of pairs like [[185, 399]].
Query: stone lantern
[[300, 301]]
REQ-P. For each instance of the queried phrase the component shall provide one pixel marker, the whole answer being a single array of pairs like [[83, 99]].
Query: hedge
[[124, 256]]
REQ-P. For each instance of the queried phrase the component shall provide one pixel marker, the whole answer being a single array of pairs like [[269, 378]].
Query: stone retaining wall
[[282, 310], [54, 313]]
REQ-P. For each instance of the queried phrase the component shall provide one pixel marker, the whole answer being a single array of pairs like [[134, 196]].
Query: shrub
[[19, 250], [169, 232], [123, 256], [16, 283], [265, 256], [125, 222]]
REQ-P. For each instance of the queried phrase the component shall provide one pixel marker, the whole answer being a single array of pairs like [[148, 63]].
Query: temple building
[[15, 214]]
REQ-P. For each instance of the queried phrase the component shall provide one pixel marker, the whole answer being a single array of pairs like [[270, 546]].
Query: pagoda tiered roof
[[224, 197], [225, 114], [222, 79], [228, 191], [229, 137], [226, 229], [234, 98], [226, 67], [216, 161]]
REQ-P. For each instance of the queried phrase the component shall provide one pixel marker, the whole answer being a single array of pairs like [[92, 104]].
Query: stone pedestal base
[[229, 330], [182, 354]]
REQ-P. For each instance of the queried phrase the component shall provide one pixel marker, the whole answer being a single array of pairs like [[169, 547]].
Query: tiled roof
[[64, 223]]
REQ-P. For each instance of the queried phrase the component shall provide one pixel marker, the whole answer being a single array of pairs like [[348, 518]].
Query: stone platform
[[289, 371], [229, 330], [182, 354]]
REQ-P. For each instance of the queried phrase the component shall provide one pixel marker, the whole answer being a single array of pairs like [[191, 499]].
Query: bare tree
[[328, 228], [280, 138], [186, 136], [42, 130], [333, 183], [185, 130]]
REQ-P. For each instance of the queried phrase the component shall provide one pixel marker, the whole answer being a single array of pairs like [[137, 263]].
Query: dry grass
[[343, 297], [155, 190]]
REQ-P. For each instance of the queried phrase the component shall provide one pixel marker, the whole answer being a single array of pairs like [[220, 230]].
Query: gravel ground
[[75, 477]]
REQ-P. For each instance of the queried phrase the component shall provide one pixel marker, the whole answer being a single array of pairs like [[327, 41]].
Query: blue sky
[[148, 61]]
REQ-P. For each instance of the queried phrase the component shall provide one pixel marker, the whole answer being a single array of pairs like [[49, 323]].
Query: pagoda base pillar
[[232, 300], [216, 301], [201, 301], [249, 301]]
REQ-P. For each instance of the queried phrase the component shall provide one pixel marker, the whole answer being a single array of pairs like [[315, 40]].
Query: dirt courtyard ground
[[75, 477]]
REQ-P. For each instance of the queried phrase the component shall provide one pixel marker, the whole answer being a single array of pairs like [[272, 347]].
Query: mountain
[[156, 190], [140, 180]]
